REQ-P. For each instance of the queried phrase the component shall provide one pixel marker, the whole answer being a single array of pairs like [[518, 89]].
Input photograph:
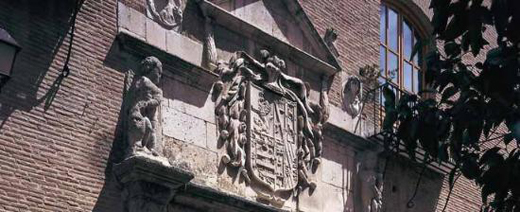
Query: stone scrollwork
[[271, 131], [352, 91], [168, 13]]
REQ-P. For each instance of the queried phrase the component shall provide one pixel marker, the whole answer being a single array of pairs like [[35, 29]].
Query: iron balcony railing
[[373, 109]]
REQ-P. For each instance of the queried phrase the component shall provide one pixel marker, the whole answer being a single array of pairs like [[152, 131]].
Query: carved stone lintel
[[149, 182]]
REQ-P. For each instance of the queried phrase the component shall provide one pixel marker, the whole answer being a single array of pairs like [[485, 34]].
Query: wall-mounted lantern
[[8, 51]]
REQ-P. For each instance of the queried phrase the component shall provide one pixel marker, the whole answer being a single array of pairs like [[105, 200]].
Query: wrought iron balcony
[[373, 109], [372, 125]]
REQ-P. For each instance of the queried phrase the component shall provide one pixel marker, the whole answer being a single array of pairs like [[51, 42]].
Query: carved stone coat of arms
[[271, 131], [273, 139]]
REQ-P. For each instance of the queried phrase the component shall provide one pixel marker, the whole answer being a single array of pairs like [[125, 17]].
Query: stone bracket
[[149, 183]]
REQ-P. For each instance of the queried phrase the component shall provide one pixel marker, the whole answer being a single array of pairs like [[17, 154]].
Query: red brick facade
[[56, 135]]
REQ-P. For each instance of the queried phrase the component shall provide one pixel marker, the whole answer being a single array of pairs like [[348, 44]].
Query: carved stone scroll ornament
[[352, 91], [168, 13], [270, 130]]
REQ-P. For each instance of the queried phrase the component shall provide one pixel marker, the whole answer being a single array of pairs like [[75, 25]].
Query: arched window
[[397, 39]]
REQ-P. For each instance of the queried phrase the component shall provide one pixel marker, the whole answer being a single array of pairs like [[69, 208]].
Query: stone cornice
[[208, 198], [284, 49]]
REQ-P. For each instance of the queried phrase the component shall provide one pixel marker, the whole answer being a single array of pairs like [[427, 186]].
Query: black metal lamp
[[8, 51]]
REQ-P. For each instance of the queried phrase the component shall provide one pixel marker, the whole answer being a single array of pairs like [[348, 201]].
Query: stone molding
[[149, 183], [206, 198]]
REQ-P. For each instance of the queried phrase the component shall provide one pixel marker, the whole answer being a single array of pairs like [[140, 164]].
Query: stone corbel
[[149, 184]]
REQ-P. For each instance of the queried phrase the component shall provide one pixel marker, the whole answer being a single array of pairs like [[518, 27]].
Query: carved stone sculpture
[[168, 13], [330, 39], [143, 99], [369, 73], [352, 91], [210, 49], [370, 181], [270, 130], [148, 180]]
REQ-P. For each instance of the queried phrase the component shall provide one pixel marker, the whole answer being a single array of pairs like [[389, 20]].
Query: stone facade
[[106, 138]]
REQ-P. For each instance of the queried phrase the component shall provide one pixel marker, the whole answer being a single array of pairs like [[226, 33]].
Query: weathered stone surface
[[338, 166], [201, 162], [155, 169], [333, 172], [311, 201], [190, 100], [155, 34], [341, 119], [184, 127], [333, 198], [131, 20], [184, 47], [211, 136]]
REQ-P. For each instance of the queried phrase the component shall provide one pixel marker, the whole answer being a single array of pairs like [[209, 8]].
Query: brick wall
[[357, 25], [55, 138]]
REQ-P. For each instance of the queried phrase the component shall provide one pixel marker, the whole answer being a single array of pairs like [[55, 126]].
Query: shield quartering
[[273, 146]]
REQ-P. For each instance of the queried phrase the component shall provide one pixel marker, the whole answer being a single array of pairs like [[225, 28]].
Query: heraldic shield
[[272, 150], [270, 130]]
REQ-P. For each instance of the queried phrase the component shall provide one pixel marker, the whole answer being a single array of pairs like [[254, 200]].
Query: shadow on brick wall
[[40, 28], [109, 199]]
